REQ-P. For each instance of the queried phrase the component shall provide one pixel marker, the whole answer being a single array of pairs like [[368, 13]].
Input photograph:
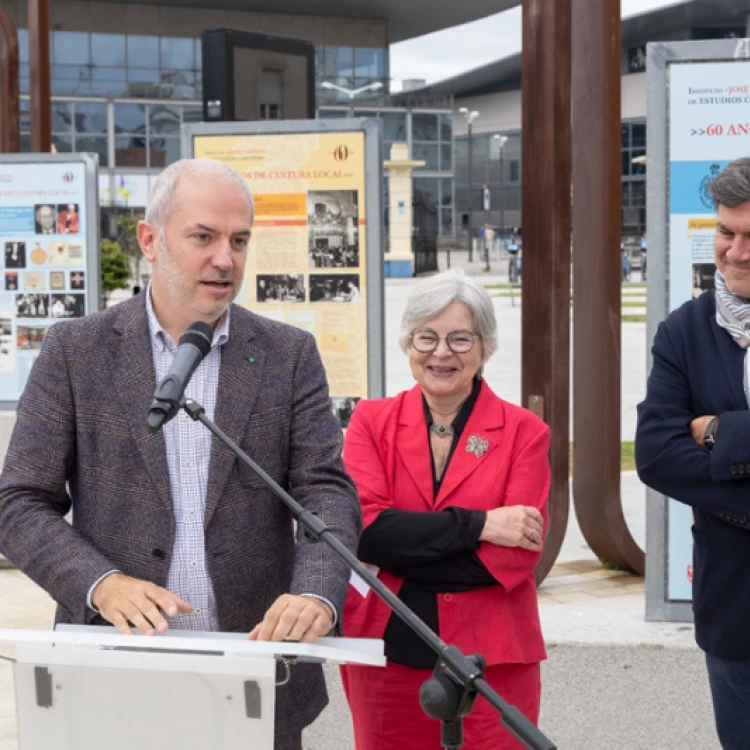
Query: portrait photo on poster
[[67, 219], [280, 288], [30, 338], [703, 277], [343, 408], [11, 281], [334, 287], [6, 342], [15, 255], [67, 305], [32, 305], [45, 216], [333, 229]]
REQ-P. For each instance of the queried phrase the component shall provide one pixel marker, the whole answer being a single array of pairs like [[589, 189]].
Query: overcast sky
[[454, 51]]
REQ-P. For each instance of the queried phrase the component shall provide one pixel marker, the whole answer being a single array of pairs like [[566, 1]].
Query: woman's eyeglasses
[[459, 342]]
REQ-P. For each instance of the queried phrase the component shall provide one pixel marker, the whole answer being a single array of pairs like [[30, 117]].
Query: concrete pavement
[[611, 681]]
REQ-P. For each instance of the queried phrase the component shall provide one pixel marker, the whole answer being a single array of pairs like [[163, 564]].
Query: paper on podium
[[85, 686]]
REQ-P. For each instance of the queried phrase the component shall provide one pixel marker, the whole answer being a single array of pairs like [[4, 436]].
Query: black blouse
[[433, 552]]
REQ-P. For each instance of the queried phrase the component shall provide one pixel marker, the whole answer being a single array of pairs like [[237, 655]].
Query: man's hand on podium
[[294, 618], [123, 600]]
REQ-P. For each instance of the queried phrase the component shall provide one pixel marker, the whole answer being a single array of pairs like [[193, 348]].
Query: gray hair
[[431, 296], [162, 198], [731, 187]]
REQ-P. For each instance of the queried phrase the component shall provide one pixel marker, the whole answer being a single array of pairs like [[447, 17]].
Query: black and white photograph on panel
[[45, 218], [67, 305], [32, 305], [343, 408], [703, 277], [333, 229], [280, 288], [328, 287], [15, 255], [7, 351]]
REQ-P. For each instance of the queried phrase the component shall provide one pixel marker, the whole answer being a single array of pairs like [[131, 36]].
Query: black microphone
[[194, 346]]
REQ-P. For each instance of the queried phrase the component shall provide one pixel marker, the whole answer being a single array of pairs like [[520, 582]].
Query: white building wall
[[502, 112], [634, 96], [497, 112]]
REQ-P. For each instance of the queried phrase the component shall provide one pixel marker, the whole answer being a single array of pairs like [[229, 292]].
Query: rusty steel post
[[545, 322], [39, 70], [10, 138], [597, 282]]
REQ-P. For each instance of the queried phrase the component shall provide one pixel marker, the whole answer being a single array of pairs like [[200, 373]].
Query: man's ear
[[148, 239]]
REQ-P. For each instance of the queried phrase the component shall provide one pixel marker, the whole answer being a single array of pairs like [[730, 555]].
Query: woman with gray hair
[[453, 483]]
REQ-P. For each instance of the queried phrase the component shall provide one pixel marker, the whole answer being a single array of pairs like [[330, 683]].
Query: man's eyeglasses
[[459, 342]]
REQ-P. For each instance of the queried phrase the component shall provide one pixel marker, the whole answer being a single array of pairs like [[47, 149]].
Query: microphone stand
[[457, 679]]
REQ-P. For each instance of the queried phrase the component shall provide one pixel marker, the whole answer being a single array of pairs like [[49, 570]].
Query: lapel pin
[[477, 445], [251, 360]]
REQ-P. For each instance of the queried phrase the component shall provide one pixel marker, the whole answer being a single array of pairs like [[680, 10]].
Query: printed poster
[[307, 259], [44, 260], [709, 126]]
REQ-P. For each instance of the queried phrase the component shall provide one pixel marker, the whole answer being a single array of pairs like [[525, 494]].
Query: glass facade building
[[499, 168], [502, 175], [633, 179], [161, 67], [429, 134], [124, 97]]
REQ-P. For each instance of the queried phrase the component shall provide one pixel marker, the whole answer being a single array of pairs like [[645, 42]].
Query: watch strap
[[709, 436]]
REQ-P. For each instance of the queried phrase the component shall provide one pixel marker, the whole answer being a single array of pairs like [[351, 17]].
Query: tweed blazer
[[81, 441]]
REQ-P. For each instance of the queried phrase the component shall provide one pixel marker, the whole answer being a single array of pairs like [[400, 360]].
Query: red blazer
[[387, 454]]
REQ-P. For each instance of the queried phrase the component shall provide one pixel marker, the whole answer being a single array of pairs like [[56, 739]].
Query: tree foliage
[[127, 224], [115, 268]]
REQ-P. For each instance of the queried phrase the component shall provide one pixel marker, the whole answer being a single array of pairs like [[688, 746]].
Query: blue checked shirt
[[188, 445], [188, 452]]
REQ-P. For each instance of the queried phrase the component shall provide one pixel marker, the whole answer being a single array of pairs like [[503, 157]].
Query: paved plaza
[[612, 680]]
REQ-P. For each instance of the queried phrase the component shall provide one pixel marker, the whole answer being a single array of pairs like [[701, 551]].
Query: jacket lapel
[[239, 385], [134, 380], [478, 440], [733, 359], [412, 444]]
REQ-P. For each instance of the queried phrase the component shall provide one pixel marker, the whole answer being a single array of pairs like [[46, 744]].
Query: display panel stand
[[84, 686]]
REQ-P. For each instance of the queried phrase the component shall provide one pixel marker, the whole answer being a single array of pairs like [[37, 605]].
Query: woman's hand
[[514, 526]]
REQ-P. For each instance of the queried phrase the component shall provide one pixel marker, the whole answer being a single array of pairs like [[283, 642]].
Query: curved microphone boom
[[194, 345]]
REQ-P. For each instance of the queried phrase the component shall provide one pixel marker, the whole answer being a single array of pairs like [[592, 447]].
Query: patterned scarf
[[732, 312]]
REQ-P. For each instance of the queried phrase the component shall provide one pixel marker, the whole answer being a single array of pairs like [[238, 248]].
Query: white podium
[[80, 687]]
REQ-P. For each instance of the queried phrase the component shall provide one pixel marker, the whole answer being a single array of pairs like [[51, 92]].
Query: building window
[[108, 50], [432, 141], [112, 65], [271, 94], [351, 68]]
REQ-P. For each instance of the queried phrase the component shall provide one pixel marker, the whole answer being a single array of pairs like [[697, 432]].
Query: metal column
[[41, 117], [597, 281], [10, 139], [545, 326]]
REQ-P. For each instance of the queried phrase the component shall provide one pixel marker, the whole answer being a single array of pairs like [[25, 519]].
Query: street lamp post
[[502, 140], [351, 93], [470, 117]]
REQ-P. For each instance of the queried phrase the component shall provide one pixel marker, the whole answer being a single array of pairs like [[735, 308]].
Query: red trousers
[[384, 702]]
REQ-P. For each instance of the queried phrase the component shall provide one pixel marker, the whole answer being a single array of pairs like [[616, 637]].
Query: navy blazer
[[698, 370]]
